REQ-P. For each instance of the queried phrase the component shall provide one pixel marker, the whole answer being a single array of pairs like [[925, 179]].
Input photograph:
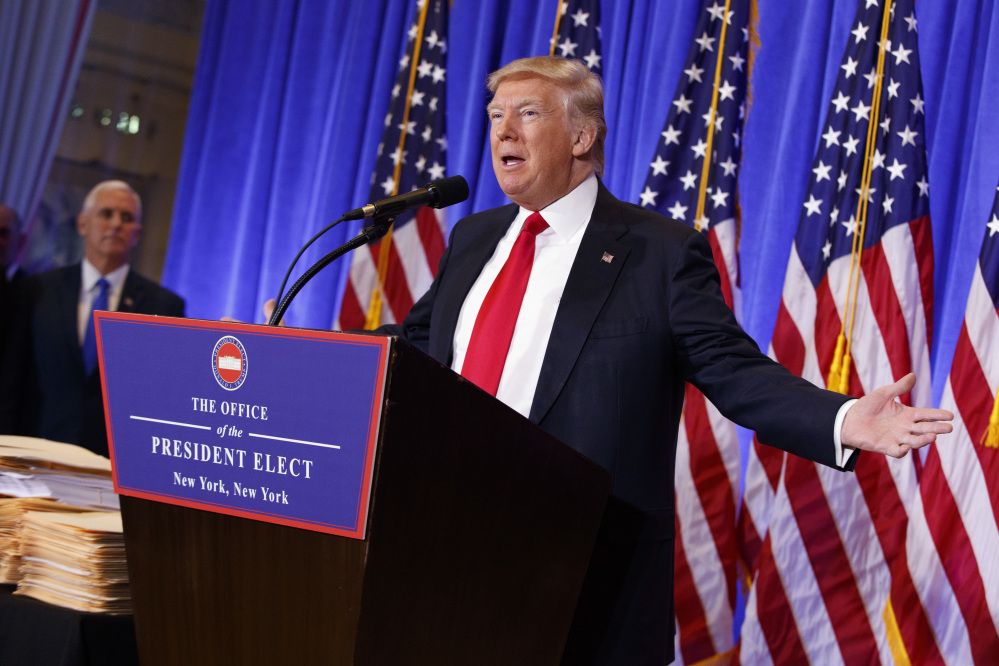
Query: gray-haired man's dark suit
[[45, 391]]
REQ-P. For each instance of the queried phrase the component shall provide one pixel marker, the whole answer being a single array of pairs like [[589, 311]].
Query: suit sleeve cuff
[[843, 453]]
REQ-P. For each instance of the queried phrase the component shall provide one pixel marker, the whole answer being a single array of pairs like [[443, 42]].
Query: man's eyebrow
[[107, 210], [520, 104]]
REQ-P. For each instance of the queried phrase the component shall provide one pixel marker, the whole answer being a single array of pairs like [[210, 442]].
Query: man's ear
[[586, 135], [81, 224]]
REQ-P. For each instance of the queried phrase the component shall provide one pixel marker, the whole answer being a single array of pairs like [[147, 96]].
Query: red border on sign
[[357, 530]]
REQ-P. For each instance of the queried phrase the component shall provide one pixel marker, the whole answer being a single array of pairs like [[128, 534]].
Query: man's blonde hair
[[585, 93]]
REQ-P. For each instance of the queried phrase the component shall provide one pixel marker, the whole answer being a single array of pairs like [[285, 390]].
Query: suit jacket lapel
[[463, 267], [590, 281], [131, 293]]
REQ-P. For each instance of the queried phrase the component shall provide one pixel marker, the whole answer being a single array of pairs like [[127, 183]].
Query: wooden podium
[[479, 531]]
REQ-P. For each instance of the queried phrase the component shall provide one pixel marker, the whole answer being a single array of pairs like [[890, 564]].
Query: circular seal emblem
[[229, 363]]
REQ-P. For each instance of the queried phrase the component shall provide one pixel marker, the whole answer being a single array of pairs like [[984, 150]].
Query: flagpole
[[706, 166], [893, 632], [558, 19], [839, 371], [374, 315]]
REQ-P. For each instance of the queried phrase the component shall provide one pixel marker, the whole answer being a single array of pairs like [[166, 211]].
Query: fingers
[[921, 434], [898, 451], [928, 414], [931, 427], [269, 310], [919, 441], [902, 386]]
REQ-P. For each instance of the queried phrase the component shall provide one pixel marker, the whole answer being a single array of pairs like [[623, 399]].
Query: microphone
[[437, 194]]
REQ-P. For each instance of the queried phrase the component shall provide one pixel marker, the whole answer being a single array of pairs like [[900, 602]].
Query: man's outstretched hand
[[878, 422]]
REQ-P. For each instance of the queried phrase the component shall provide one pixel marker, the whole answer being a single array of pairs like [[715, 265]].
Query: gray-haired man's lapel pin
[[607, 258], [129, 302]]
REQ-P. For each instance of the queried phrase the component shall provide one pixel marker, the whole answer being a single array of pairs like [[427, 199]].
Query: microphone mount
[[437, 194], [369, 234]]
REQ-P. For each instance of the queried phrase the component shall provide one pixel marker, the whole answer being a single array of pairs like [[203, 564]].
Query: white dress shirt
[[554, 251], [89, 291]]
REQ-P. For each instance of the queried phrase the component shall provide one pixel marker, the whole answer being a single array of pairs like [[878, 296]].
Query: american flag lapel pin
[[607, 258]]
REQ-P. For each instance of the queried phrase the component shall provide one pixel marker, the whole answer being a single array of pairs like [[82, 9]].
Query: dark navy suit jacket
[[45, 391], [642, 313]]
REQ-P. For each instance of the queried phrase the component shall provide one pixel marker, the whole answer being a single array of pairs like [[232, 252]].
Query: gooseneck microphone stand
[[379, 227]]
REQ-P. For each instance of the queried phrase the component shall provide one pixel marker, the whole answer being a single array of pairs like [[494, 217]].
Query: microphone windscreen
[[450, 191]]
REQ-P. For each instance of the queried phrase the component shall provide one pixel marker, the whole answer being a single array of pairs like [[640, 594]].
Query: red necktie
[[497, 317]]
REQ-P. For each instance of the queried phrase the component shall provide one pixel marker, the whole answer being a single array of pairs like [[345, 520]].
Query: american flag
[[959, 488], [706, 118], [834, 574], [386, 278], [577, 32]]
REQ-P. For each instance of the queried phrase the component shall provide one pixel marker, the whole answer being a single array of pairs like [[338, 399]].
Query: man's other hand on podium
[[269, 306]]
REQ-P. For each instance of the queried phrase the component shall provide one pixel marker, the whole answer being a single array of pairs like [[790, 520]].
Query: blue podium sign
[[272, 424]]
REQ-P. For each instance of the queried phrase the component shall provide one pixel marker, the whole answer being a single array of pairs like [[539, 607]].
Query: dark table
[[34, 632]]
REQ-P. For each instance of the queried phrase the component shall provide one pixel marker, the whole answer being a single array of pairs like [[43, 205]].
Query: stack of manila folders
[[60, 527]]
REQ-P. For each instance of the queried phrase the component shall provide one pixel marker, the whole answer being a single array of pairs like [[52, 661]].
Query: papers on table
[[76, 560], [31, 467], [60, 529], [12, 510]]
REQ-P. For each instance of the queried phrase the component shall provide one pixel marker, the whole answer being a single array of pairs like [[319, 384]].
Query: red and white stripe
[[835, 549], [706, 487], [960, 495], [415, 251]]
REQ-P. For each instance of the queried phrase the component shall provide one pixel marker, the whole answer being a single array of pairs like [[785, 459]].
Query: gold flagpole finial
[[558, 19]]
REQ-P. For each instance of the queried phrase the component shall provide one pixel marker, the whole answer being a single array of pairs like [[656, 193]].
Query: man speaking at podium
[[587, 315]]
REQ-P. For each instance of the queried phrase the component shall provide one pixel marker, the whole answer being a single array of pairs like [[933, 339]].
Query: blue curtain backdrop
[[41, 48], [290, 97]]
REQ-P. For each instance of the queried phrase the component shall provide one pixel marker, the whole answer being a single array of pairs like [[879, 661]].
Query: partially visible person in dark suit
[[10, 242], [51, 385], [10, 271]]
